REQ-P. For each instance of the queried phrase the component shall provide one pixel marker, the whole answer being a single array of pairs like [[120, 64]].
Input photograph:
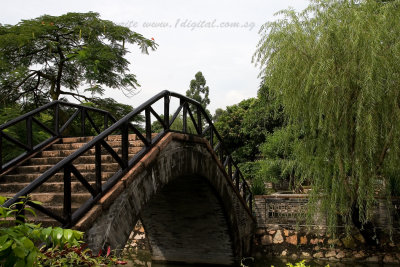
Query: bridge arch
[[179, 183]]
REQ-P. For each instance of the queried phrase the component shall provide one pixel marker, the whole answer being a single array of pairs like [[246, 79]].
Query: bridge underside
[[185, 222], [188, 205]]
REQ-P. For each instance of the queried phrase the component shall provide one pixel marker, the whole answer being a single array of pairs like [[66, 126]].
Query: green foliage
[[177, 125], [199, 91], [244, 127], [60, 247], [300, 264], [38, 57], [279, 163], [18, 131], [335, 69], [118, 110], [76, 255], [17, 241]]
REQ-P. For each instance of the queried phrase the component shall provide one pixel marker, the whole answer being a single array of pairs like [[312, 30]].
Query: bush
[[59, 247]]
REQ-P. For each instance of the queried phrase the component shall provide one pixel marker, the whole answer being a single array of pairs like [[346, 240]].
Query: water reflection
[[142, 258]]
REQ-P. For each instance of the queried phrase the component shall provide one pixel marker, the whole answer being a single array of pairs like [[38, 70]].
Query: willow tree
[[51, 56], [335, 67]]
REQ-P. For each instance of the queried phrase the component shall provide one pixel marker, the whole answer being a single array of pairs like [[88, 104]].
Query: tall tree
[[50, 56], [198, 90], [335, 66]]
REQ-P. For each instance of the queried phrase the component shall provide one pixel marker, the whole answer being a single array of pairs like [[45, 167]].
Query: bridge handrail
[[123, 125], [55, 133]]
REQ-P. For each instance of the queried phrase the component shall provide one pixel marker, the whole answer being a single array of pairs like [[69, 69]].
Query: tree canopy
[[198, 90], [50, 56], [335, 68]]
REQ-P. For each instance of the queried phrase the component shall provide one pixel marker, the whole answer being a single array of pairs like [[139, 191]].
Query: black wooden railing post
[[67, 194], [244, 189], [230, 167], [221, 154], [98, 167], [57, 119], [83, 119], [125, 143], [251, 201], [1, 150], [184, 116], [199, 124], [20, 215], [29, 141], [211, 137], [166, 112], [148, 125], [105, 121]]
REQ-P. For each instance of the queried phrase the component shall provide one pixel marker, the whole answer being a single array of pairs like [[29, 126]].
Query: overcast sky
[[192, 36]]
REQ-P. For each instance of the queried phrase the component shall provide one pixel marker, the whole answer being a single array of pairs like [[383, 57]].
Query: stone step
[[48, 187], [58, 177], [55, 198], [65, 153], [80, 160], [80, 167], [86, 139], [44, 220], [67, 140], [50, 194], [75, 146]]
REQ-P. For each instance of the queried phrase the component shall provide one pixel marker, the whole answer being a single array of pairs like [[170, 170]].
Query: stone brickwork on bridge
[[188, 205]]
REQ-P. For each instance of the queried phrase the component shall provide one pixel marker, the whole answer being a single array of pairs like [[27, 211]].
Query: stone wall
[[282, 231]]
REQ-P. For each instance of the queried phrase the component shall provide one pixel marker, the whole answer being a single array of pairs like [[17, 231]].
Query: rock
[[266, 240], [260, 231], [314, 241], [360, 238], [284, 253], [335, 242], [331, 253], [318, 255], [273, 227], [389, 259], [316, 248], [140, 236], [305, 255], [303, 240], [278, 239], [340, 255], [358, 256], [271, 232], [349, 242], [372, 259], [292, 240], [294, 256], [286, 232]]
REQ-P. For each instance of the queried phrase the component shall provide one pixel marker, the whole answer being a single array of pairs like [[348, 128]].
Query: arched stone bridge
[[191, 197], [188, 205]]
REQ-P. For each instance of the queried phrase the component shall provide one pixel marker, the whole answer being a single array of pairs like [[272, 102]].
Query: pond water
[[143, 259]]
